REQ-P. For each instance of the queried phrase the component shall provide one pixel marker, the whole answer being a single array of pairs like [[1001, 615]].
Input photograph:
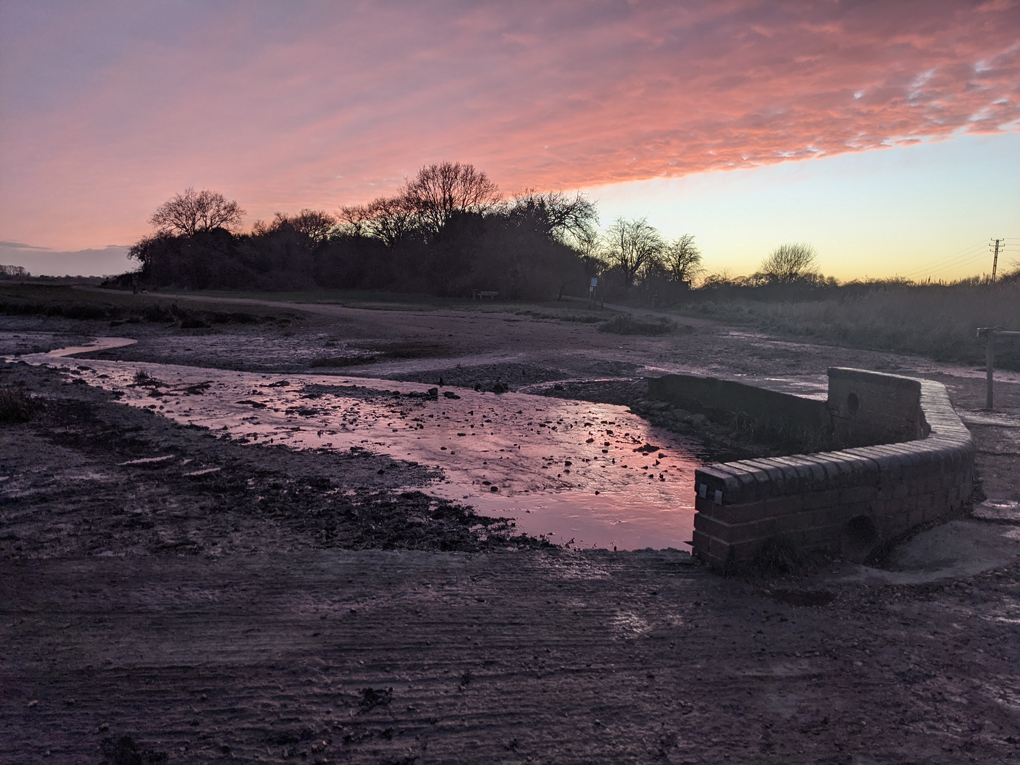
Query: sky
[[886, 134]]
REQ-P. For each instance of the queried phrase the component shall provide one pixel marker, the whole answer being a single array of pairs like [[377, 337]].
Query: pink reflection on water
[[571, 469]]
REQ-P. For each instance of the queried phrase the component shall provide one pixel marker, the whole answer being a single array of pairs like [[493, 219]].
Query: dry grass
[[15, 405], [936, 321], [625, 324]]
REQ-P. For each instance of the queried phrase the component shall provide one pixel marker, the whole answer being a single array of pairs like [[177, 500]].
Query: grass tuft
[[625, 324], [777, 557], [16, 405]]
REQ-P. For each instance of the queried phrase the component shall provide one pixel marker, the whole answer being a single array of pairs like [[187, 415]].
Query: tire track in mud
[[555, 656]]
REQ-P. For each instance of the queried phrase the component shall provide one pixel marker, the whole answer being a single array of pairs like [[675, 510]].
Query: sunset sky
[[887, 134]]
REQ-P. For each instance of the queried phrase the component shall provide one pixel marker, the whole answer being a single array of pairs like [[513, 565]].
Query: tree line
[[448, 231]]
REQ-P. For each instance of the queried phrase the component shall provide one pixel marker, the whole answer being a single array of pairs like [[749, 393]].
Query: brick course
[[810, 500]]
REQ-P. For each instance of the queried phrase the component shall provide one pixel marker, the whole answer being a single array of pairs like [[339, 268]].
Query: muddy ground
[[236, 601]]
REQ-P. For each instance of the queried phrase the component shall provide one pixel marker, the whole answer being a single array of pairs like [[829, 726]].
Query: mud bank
[[87, 475], [588, 474], [170, 595]]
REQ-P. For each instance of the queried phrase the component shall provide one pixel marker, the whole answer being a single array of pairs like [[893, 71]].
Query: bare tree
[[1014, 273], [681, 259], [195, 211], [591, 247], [569, 220], [788, 263], [14, 271], [632, 246], [440, 191], [388, 219], [314, 224]]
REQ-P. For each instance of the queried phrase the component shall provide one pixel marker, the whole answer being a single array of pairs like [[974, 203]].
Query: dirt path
[[211, 607]]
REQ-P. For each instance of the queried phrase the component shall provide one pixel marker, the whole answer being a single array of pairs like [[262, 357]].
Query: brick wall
[[711, 395], [846, 502], [871, 407]]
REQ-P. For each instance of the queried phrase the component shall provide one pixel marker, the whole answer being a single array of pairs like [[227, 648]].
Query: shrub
[[778, 556], [15, 405], [625, 324]]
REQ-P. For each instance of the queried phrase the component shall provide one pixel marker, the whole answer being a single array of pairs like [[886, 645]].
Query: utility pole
[[995, 258]]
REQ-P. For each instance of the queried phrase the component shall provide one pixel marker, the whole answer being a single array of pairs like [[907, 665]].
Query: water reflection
[[591, 473]]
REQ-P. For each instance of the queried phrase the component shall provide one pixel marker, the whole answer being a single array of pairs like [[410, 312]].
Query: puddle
[[591, 473], [99, 344]]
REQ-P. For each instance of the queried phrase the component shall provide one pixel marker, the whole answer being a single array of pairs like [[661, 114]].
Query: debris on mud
[[372, 698], [124, 751], [201, 493], [484, 376]]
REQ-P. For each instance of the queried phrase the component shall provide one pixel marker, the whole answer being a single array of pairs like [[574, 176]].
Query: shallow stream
[[594, 474]]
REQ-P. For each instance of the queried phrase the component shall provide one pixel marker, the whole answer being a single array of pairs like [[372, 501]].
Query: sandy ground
[[227, 600]]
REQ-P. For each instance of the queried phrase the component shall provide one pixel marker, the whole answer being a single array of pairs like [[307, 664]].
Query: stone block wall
[[847, 502]]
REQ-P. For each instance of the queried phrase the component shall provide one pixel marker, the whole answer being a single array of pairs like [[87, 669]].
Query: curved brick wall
[[846, 502]]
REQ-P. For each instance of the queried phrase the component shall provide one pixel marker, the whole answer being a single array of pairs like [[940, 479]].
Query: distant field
[[339, 297], [936, 321], [55, 299], [62, 300], [563, 310]]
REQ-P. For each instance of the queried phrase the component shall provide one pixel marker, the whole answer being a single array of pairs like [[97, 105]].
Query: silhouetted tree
[[195, 211], [440, 191], [445, 233], [631, 247], [158, 255], [787, 264], [13, 272], [554, 215], [355, 262], [314, 224], [389, 219], [681, 259]]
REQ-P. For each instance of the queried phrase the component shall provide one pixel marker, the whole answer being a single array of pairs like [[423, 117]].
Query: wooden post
[[989, 334]]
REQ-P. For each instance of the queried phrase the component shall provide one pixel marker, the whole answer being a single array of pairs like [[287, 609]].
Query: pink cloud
[[109, 109]]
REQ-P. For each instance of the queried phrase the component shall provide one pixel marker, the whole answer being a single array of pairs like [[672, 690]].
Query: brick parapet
[[809, 499]]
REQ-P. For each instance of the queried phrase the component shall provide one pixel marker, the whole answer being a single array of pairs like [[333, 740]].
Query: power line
[[951, 256], [968, 256], [945, 260], [950, 262], [973, 263]]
